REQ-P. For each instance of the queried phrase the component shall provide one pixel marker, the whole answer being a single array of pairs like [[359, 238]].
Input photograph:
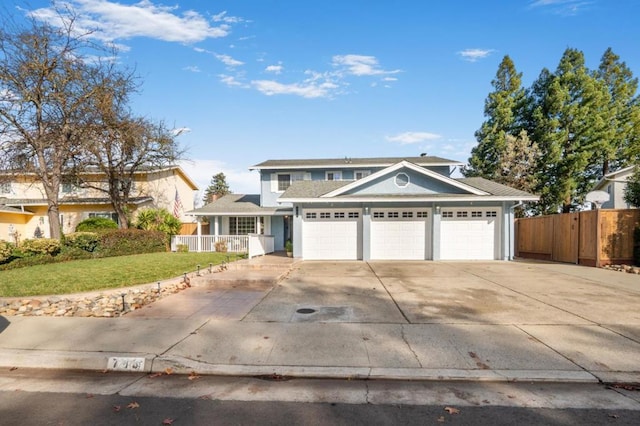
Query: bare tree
[[121, 147], [47, 87]]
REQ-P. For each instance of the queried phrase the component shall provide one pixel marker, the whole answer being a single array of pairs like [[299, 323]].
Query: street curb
[[99, 361], [67, 360]]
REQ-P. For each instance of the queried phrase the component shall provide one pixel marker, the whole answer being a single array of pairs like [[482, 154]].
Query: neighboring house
[[614, 184], [23, 205], [373, 208]]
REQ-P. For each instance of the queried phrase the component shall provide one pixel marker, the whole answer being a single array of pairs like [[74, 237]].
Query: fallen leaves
[[193, 376], [167, 421], [133, 405], [451, 410]]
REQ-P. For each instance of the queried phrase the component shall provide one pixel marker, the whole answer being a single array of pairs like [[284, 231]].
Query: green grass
[[105, 273]]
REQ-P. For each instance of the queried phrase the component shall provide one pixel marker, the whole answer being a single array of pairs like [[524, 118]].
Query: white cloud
[[306, 89], [231, 81], [110, 21], [562, 7], [407, 138], [276, 69], [360, 65], [223, 17], [229, 61], [192, 68], [472, 55]]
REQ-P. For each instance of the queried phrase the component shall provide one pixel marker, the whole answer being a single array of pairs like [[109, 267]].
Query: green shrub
[[158, 220], [87, 241], [48, 246], [93, 224], [21, 261], [182, 248], [131, 241], [6, 249]]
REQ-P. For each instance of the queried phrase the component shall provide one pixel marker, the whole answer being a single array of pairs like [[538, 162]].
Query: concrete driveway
[[481, 315], [521, 321], [515, 293]]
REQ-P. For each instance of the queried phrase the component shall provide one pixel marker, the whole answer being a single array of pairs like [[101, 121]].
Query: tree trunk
[[53, 213]]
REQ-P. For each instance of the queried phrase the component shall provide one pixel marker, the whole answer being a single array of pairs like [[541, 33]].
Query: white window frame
[[362, 173], [293, 177], [396, 177], [333, 175]]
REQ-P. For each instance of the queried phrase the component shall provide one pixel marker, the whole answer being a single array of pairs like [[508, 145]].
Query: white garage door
[[470, 234], [403, 234], [329, 234]]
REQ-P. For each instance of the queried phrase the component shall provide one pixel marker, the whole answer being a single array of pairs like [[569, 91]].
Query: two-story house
[[614, 184], [373, 208], [23, 204]]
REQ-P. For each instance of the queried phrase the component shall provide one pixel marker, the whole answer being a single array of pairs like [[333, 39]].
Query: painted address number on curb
[[117, 363]]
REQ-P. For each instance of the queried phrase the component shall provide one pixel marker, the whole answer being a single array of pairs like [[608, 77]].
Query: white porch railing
[[259, 245], [206, 243]]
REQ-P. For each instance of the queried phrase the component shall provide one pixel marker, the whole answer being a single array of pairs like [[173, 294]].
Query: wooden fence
[[192, 229], [592, 238]]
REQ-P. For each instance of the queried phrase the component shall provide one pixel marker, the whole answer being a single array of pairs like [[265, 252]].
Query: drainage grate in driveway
[[322, 314]]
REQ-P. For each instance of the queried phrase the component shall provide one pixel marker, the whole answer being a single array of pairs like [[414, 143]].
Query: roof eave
[[488, 198], [350, 165]]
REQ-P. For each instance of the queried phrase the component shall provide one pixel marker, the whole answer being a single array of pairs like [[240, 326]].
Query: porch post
[[199, 228]]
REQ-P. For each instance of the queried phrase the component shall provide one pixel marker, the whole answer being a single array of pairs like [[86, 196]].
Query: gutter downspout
[[512, 240]]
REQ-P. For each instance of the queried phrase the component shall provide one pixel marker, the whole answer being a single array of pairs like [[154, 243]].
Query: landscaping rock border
[[108, 304]]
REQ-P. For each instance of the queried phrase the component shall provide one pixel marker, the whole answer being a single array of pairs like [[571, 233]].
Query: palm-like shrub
[[158, 220]]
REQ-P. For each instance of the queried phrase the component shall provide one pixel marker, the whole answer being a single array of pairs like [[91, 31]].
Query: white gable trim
[[412, 199], [408, 165]]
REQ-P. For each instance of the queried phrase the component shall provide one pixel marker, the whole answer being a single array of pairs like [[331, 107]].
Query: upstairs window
[[284, 182], [359, 174], [333, 175]]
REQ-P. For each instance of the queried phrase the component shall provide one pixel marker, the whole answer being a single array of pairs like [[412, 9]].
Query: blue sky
[[265, 79]]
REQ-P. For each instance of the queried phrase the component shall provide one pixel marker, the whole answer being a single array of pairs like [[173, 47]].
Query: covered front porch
[[238, 224]]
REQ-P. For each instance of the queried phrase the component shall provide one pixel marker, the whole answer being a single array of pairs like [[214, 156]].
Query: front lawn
[[105, 273]]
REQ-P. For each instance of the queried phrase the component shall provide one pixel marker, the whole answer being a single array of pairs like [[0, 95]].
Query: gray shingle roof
[[70, 200], [316, 189], [313, 188], [353, 162], [8, 209], [238, 204], [493, 188]]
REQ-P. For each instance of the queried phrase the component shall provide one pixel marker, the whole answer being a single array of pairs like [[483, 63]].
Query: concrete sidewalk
[[361, 320]]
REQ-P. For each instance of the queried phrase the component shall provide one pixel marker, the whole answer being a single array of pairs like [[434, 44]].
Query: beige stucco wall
[[161, 186], [12, 222]]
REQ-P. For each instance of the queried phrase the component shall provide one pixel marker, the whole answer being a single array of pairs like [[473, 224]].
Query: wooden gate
[[592, 238], [565, 238]]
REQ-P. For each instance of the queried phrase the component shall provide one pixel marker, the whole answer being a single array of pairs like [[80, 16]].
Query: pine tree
[[624, 108], [503, 110], [571, 124], [217, 188]]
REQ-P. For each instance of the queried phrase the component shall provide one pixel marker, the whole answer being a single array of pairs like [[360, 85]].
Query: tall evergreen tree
[[503, 111], [624, 129], [217, 188], [571, 121]]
